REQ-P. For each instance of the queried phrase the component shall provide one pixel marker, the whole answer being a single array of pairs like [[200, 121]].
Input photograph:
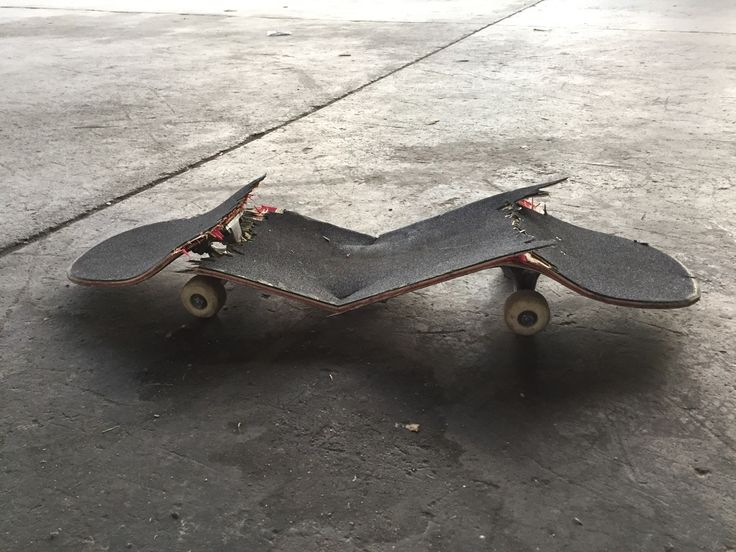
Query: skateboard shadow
[[459, 357]]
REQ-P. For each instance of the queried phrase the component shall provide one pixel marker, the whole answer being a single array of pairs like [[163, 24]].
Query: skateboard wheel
[[203, 296], [526, 312]]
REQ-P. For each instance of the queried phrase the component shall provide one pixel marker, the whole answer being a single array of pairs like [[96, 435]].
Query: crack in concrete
[[681, 31], [628, 29], [23, 242]]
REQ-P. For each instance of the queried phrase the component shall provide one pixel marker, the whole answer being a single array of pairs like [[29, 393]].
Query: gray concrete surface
[[127, 425], [96, 105], [380, 11]]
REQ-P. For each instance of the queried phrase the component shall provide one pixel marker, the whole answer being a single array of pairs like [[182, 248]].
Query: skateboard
[[284, 253]]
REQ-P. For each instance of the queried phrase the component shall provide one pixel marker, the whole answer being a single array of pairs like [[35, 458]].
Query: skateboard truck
[[523, 278]]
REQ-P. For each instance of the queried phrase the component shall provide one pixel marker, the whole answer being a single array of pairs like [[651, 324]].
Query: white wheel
[[203, 297], [526, 312]]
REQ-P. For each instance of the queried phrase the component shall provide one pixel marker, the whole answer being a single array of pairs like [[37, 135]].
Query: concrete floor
[[127, 425]]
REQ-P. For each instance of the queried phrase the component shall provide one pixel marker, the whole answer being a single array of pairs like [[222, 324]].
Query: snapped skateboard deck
[[287, 254]]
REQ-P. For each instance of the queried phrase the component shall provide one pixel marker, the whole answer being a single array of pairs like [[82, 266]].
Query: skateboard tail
[[533, 261], [138, 254]]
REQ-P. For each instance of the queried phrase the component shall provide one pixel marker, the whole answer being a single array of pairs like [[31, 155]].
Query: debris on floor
[[414, 428], [701, 470], [278, 33]]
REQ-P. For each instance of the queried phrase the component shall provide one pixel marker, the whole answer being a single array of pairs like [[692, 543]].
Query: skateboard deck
[[288, 254]]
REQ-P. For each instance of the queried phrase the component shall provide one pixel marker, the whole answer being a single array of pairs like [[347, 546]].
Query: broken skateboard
[[287, 254]]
